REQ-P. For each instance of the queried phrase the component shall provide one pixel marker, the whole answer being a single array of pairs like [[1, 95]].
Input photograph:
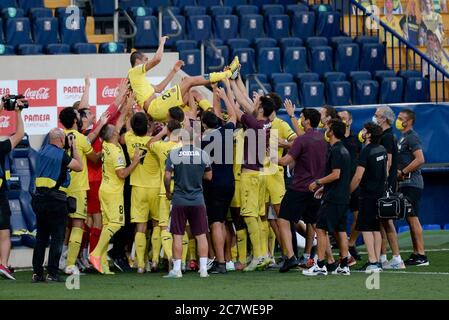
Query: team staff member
[[145, 182], [5, 212], [309, 154], [79, 185], [371, 176], [50, 204], [411, 182]]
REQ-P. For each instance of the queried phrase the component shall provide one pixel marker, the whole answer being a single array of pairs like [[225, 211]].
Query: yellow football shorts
[[275, 187], [252, 194], [112, 208], [81, 204], [158, 108], [144, 204]]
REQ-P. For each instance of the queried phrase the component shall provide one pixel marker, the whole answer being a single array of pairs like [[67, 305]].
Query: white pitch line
[[427, 250], [409, 272]]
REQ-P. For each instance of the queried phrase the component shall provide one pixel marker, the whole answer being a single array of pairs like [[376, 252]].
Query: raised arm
[[20, 129], [241, 99], [84, 102], [290, 108], [229, 106], [125, 172], [161, 86], [157, 56], [158, 137], [101, 123]]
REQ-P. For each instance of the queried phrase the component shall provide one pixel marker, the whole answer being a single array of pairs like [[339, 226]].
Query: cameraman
[[5, 213], [50, 201]]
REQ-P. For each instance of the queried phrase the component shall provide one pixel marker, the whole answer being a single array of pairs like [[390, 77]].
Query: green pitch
[[415, 283]]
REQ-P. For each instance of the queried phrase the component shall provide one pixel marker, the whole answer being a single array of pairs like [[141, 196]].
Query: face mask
[[400, 125], [300, 124], [374, 119], [326, 137], [321, 125], [362, 137]]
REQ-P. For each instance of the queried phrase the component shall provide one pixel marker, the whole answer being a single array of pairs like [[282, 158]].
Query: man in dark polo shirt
[[309, 154], [334, 188], [189, 166]]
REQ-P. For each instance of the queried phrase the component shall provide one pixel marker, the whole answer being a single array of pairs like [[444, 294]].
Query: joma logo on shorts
[[189, 153]]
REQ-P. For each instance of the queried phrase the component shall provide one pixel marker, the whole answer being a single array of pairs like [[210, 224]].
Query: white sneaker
[[63, 261], [373, 268], [230, 266], [342, 271], [174, 274], [253, 265], [210, 263], [315, 271], [203, 274], [72, 270], [394, 264]]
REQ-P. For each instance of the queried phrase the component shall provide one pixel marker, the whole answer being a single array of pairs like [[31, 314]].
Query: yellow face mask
[[321, 125], [400, 125], [361, 136]]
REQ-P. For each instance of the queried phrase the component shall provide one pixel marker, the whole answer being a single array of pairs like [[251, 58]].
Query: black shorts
[[217, 202], [196, 215], [367, 219], [414, 197], [354, 201], [332, 217], [5, 213], [298, 205]]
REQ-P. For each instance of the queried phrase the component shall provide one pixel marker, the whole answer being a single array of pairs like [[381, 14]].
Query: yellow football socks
[[192, 249], [272, 241], [252, 223], [76, 236], [167, 242], [106, 234], [242, 245], [156, 244], [140, 240], [263, 227]]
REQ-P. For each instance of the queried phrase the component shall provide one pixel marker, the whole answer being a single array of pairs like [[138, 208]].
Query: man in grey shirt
[[411, 183], [189, 166]]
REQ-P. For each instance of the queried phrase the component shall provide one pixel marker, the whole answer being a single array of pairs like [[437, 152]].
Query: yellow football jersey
[[146, 174], [284, 131], [161, 149], [79, 181], [113, 159], [142, 88]]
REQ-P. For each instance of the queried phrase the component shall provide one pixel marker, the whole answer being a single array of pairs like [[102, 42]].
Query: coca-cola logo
[[4, 121], [39, 94], [109, 92]]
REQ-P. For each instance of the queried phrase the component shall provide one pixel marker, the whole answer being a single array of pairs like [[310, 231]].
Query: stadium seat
[[76, 34], [147, 33], [8, 4], [278, 26], [18, 224], [139, 12], [111, 47], [359, 75], [416, 90], [379, 75], [84, 48], [256, 88], [295, 60], [234, 3], [347, 57], [260, 76], [194, 11], [334, 76], [365, 92], [293, 9], [247, 60], [213, 58], [174, 10], [446, 227], [170, 27], [391, 90], [192, 60], [101, 8], [243, 10], [251, 26], [57, 48], [199, 28], [18, 31], [45, 31], [183, 3], [336, 41], [316, 41], [328, 24], [182, 45], [431, 227], [14, 187], [62, 13], [260, 43], [226, 27], [220, 11], [126, 4], [29, 49], [40, 13], [303, 25], [312, 94], [209, 3], [238, 43], [6, 50], [156, 4], [372, 57], [269, 60], [288, 90], [284, 43], [281, 78], [26, 5], [306, 77], [321, 7], [403, 229], [321, 59], [409, 74], [361, 40], [10, 13], [338, 93], [269, 9], [260, 3], [2, 38]]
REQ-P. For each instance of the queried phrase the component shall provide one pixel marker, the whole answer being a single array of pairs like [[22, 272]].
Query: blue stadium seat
[[312, 94], [84, 48], [111, 47], [328, 24], [251, 26], [45, 31], [247, 60], [175, 10], [76, 34], [260, 3], [359, 75], [403, 229], [57, 48], [316, 41], [269, 60], [291, 2], [29, 49], [338, 93], [238, 43], [32, 157], [416, 90], [194, 11], [10, 13], [319, 7], [288, 90], [18, 224], [260, 76], [269, 9], [14, 187], [379, 75], [226, 26], [303, 25], [284, 43], [139, 12], [192, 60], [303, 77], [391, 90], [209, 3], [40, 13], [126, 4], [293, 9], [220, 10], [365, 92], [18, 31], [321, 60], [278, 26], [64, 12], [277, 78], [6, 50], [183, 3], [260, 43], [347, 57], [372, 57], [156, 4], [254, 87], [336, 41], [182, 45], [409, 74], [101, 8], [334, 76], [295, 60], [199, 27], [169, 26], [147, 32], [234, 3], [243, 10], [2, 38], [446, 226], [213, 58], [431, 227], [361, 40], [8, 4], [26, 5]]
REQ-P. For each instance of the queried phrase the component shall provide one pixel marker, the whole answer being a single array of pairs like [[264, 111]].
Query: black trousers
[[51, 218]]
